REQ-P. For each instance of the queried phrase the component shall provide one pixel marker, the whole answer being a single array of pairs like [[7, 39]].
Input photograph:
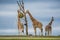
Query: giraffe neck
[[18, 19], [18, 16], [50, 22], [31, 17]]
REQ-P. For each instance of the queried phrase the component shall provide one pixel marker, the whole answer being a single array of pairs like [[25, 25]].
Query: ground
[[29, 38]]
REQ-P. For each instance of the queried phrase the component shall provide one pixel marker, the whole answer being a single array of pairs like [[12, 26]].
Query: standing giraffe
[[48, 28], [21, 7], [36, 24], [20, 25]]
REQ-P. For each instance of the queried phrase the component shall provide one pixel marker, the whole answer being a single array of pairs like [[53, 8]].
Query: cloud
[[39, 8], [8, 10], [43, 9], [55, 30], [9, 30]]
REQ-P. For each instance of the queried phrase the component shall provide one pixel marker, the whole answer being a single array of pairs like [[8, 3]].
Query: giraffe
[[35, 23], [48, 28], [20, 25]]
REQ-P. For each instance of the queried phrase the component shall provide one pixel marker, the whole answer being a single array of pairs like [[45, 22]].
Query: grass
[[29, 37]]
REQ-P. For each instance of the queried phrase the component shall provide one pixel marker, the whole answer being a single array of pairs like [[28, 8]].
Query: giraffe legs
[[35, 30], [45, 33], [50, 33], [19, 32], [18, 29], [41, 32]]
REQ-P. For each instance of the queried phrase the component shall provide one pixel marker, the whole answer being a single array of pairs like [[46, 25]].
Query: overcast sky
[[42, 10]]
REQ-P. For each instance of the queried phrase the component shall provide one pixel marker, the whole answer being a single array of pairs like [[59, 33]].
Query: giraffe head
[[27, 11], [52, 18]]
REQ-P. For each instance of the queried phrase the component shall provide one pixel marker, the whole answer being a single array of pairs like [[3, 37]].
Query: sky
[[41, 10]]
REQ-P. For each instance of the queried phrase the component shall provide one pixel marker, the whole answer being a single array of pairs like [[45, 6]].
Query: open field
[[29, 38]]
